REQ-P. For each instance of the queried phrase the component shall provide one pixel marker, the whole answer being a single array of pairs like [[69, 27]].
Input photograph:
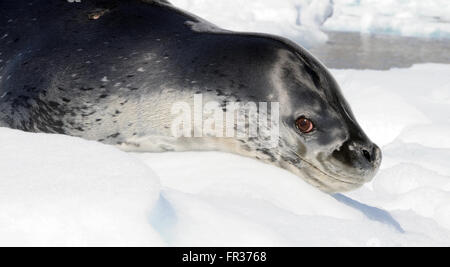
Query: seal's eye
[[304, 125]]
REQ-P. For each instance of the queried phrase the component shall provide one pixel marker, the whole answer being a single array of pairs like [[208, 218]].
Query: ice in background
[[305, 21], [297, 20], [60, 190], [414, 18]]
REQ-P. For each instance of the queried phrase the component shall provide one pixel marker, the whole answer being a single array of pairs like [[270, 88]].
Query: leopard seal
[[111, 70]]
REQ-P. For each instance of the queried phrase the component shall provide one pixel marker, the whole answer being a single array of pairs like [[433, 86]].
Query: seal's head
[[320, 137]]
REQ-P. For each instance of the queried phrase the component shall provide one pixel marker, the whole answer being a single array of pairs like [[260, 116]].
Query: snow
[[305, 21], [406, 102], [59, 190], [63, 191]]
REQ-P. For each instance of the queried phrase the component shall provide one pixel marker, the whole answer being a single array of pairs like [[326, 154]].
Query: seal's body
[[111, 71]]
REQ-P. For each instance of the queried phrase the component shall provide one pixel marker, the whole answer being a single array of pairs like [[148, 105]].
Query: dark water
[[346, 50]]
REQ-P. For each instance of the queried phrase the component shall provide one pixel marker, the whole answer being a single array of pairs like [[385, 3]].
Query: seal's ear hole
[[304, 125]]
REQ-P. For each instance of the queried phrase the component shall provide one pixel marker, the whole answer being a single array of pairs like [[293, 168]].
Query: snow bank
[[63, 191], [57, 190], [304, 21], [216, 199]]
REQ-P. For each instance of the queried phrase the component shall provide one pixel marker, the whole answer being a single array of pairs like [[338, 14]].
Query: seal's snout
[[359, 160]]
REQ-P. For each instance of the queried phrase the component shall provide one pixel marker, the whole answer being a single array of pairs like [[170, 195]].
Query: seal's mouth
[[325, 181], [331, 183], [335, 173]]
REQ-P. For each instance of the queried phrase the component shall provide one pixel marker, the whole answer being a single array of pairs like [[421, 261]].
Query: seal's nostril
[[367, 155]]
